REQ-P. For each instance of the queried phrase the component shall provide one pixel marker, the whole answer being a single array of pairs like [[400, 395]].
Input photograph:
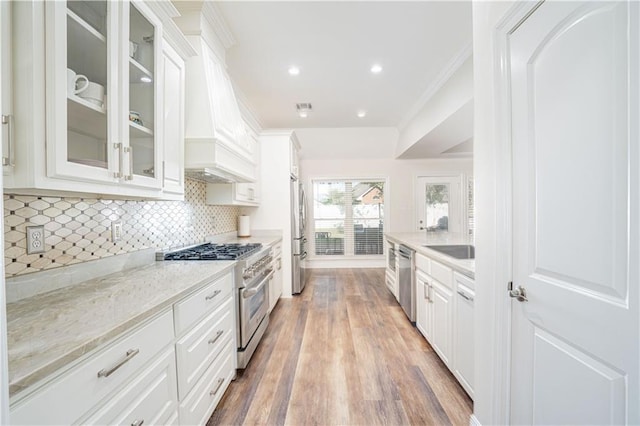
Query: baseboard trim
[[473, 421]]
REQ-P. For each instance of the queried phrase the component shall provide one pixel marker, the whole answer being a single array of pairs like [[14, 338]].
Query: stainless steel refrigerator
[[299, 241]]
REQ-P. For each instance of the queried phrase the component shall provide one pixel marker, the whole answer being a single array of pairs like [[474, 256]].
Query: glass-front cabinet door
[[81, 86], [141, 95], [102, 92]]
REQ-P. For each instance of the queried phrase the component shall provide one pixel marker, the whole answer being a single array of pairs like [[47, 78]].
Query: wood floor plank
[[343, 353]]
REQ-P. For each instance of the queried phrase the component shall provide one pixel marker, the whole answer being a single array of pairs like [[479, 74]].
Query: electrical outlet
[[35, 239], [116, 230]]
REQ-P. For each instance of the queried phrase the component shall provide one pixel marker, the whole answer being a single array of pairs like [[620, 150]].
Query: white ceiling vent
[[303, 109]]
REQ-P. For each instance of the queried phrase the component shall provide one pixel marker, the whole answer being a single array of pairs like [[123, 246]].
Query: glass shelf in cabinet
[[138, 131], [86, 118], [86, 50], [138, 73], [86, 26]]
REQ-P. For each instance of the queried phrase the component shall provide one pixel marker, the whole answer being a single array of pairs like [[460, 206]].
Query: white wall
[[399, 195], [348, 142], [491, 360], [452, 96]]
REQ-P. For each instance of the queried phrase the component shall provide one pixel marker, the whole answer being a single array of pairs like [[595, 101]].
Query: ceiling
[[334, 44]]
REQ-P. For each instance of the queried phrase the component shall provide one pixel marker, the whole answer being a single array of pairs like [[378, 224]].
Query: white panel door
[[574, 99]]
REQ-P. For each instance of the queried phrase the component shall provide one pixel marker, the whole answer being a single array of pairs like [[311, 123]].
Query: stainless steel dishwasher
[[406, 278]]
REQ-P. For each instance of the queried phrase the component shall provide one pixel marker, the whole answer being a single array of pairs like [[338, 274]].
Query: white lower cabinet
[[424, 309], [198, 406], [68, 397], [150, 399], [463, 363], [147, 376], [444, 316], [199, 347], [206, 349], [275, 285], [442, 302]]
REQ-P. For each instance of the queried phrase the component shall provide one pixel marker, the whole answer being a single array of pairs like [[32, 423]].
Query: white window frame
[[312, 219]]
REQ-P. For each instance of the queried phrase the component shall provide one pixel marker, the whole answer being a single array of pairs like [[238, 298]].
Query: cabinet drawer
[[202, 400], [390, 282], [423, 263], [150, 398], [71, 395], [196, 306], [202, 345], [277, 250], [442, 273]]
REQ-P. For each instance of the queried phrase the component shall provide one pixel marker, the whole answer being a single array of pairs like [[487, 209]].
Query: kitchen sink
[[457, 251]]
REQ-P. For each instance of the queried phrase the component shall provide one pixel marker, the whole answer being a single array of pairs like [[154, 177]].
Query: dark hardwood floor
[[343, 353]]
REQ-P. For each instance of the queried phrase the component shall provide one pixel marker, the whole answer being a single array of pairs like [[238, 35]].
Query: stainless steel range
[[252, 274]]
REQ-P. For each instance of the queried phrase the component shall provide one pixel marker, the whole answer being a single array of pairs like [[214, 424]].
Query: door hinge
[[510, 286]]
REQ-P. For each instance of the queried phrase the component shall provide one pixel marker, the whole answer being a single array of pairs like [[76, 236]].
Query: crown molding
[[166, 11], [447, 72], [213, 14]]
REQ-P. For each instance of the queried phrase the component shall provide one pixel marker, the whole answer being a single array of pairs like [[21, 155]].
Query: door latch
[[518, 293]]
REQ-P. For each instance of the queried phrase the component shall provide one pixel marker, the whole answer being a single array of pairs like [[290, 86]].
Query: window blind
[[348, 217]]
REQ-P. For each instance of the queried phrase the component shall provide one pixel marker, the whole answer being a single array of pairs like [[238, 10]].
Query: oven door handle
[[254, 290]]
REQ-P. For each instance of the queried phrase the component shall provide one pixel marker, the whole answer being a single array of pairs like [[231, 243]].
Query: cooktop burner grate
[[211, 251]]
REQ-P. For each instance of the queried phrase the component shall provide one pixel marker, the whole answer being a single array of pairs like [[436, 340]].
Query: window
[[348, 217]]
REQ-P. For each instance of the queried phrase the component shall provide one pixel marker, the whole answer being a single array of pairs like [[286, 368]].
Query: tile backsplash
[[79, 229]]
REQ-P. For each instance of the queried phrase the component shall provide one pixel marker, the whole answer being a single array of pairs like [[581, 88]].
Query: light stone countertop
[[417, 240], [266, 238], [51, 330]]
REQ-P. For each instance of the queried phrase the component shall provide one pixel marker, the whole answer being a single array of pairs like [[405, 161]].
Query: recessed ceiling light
[[362, 114], [145, 79], [376, 68], [294, 70]]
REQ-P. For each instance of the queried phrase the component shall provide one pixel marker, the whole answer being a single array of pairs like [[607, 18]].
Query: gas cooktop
[[210, 251]]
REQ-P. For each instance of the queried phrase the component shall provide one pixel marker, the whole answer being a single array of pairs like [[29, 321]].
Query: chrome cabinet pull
[[215, 339], [425, 287], [106, 372], [138, 422], [220, 382], [120, 148], [8, 160], [129, 149], [465, 296], [211, 296]]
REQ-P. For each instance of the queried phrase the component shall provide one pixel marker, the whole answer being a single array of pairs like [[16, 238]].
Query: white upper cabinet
[[6, 101], [111, 49], [172, 122], [98, 68]]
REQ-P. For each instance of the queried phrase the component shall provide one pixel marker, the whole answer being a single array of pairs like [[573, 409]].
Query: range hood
[[213, 124]]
